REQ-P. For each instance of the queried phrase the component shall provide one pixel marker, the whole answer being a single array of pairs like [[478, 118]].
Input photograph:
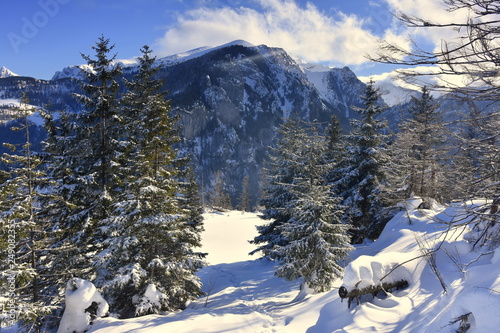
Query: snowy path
[[243, 295]]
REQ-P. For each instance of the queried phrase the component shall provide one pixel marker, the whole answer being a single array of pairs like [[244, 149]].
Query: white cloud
[[429, 77], [304, 32], [433, 11]]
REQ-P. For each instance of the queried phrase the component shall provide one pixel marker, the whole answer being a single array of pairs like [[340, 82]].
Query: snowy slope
[[12, 105], [245, 296], [340, 87]]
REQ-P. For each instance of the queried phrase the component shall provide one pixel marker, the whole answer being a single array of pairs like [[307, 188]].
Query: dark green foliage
[[307, 233], [219, 197], [361, 169], [281, 173], [418, 153], [244, 199], [150, 233], [190, 201], [27, 236]]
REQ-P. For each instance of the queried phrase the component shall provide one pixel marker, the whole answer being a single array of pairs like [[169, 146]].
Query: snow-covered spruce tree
[[281, 173], [85, 163], [148, 255], [317, 238], [26, 234], [63, 253], [361, 169], [418, 153]]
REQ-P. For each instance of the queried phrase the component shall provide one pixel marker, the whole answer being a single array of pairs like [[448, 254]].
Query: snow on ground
[[226, 236], [243, 295]]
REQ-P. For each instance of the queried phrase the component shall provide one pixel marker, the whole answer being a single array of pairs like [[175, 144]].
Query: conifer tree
[[282, 171], [418, 152], [306, 233], [63, 252], [148, 259], [26, 234], [244, 200], [190, 200], [362, 168], [85, 162], [219, 198], [335, 153], [317, 238]]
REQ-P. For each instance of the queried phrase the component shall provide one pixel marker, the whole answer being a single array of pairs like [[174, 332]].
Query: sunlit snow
[[243, 295]]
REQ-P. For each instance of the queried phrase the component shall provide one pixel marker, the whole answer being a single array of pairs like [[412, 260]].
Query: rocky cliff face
[[231, 100]]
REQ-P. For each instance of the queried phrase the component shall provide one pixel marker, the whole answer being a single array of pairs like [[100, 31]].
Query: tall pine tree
[[26, 235], [82, 158], [85, 161], [418, 153], [317, 238], [149, 260], [281, 173], [361, 169]]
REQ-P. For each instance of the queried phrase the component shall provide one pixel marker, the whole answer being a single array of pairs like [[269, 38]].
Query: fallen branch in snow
[[464, 322], [373, 290], [431, 259]]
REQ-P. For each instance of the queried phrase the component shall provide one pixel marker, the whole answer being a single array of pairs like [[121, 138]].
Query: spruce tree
[[306, 233], [149, 260], [85, 162], [317, 238], [26, 235], [281, 173], [418, 152], [63, 252], [219, 198], [244, 200], [361, 168], [190, 201], [335, 152]]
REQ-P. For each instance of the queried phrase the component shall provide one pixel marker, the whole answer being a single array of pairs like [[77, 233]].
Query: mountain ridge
[[231, 100]]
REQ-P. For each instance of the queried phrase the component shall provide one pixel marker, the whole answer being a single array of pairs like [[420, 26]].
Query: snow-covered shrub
[[83, 304], [149, 302]]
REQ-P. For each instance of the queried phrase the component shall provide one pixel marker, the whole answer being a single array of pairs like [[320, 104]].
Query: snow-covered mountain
[[338, 86], [231, 99], [73, 72], [5, 72]]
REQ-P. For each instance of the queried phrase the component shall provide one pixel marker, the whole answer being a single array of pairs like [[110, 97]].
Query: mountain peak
[[5, 72]]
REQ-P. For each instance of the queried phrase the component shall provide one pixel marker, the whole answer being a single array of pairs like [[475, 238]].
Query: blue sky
[[39, 37]]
